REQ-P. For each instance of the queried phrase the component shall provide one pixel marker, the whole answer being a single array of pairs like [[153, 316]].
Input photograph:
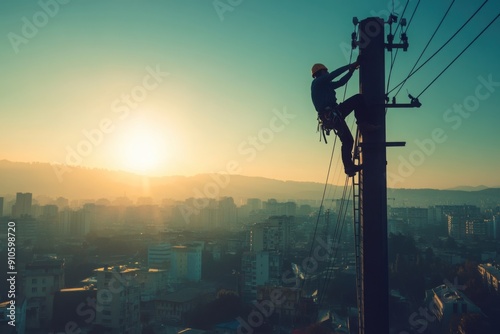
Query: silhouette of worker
[[332, 115]]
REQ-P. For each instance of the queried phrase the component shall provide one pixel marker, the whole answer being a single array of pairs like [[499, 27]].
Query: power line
[[435, 53], [496, 17], [427, 45], [393, 59], [402, 14]]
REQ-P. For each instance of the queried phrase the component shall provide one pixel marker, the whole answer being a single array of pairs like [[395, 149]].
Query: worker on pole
[[332, 115]]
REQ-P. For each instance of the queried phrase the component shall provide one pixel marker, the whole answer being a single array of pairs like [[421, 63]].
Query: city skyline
[[177, 88]]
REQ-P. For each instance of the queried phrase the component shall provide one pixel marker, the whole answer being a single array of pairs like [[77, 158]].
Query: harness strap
[[329, 115]]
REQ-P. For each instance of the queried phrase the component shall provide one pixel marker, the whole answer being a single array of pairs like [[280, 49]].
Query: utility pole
[[372, 182]]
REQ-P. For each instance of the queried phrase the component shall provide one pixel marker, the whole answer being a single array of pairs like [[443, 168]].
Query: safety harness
[[326, 122]]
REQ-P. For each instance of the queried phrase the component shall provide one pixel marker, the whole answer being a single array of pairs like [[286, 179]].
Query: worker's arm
[[333, 74], [342, 81]]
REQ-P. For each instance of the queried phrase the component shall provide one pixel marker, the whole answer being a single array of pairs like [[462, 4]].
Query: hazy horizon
[[62, 172], [187, 88]]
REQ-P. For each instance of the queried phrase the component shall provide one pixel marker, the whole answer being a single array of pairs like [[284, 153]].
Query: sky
[[185, 87]]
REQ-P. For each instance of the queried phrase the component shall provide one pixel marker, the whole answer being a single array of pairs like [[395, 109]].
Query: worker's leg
[[345, 137], [356, 103]]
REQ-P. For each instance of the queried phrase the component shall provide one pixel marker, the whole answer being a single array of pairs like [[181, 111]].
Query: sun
[[142, 149], [142, 153]]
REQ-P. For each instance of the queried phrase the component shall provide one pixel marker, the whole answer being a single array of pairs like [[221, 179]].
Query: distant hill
[[469, 188], [86, 183]]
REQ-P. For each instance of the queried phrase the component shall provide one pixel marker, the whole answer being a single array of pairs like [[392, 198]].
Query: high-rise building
[[457, 217], [74, 223], [186, 262], [254, 204], [1, 206], [42, 278], [22, 207], [119, 297], [496, 227], [272, 235], [159, 256], [257, 269], [274, 208], [415, 218], [227, 213]]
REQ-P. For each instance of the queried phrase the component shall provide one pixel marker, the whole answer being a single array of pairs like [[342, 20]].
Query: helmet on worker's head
[[316, 68]]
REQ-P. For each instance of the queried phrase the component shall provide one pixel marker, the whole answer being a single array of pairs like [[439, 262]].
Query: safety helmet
[[317, 67]]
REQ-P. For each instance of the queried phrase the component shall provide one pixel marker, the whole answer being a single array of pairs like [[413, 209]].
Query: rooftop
[[494, 270], [119, 269]]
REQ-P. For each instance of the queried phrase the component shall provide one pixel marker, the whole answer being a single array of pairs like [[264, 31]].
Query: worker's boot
[[352, 170]]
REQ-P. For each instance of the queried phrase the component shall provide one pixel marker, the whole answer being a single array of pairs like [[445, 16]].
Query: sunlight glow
[[142, 153], [142, 148]]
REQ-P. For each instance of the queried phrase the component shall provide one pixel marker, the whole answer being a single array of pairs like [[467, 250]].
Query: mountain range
[[87, 183]]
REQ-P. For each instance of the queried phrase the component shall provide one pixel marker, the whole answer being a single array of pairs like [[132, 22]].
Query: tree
[[473, 323]]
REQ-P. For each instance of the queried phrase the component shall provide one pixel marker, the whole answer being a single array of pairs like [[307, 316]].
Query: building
[[287, 302], [119, 297], [6, 310], [42, 278], [491, 275], [1, 206], [22, 207], [152, 282], [456, 217], [272, 235], [272, 207], [496, 227], [415, 218], [227, 213], [74, 223], [172, 308], [258, 269], [74, 306], [477, 228], [186, 262], [27, 229], [159, 256], [447, 303]]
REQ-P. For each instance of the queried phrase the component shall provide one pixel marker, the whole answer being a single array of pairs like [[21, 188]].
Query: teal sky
[[187, 87]]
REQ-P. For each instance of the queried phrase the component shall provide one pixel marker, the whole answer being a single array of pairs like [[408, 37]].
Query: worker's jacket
[[323, 88]]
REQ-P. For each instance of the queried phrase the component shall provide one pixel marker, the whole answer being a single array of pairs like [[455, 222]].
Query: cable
[[336, 239], [411, 17], [435, 53], [321, 204], [402, 14], [427, 45], [393, 59], [496, 17]]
